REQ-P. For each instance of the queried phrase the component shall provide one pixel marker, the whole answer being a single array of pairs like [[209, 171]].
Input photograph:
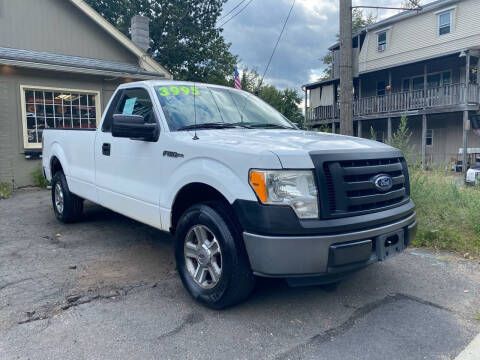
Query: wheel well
[[55, 166], [192, 194]]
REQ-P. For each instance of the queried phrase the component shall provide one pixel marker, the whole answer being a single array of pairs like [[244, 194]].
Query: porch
[[444, 84], [447, 98]]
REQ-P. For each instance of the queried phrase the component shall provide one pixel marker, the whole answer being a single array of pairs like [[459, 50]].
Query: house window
[[47, 108], [382, 41], [417, 83], [406, 84], [434, 80], [429, 137], [445, 23]]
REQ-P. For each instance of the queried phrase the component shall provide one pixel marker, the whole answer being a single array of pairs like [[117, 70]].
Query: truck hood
[[291, 146]]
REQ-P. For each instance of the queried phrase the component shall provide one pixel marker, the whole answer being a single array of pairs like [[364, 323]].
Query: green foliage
[[447, 213], [185, 39], [401, 139], [286, 101], [5, 190], [38, 178]]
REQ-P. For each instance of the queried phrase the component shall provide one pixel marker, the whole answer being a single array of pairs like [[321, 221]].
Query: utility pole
[[346, 68]]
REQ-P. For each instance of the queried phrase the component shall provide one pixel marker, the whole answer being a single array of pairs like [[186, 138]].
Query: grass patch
[[478, 316], [447, 213], [38, 178], [5, 190]]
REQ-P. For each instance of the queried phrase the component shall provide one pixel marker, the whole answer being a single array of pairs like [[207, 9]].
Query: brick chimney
[[141, 32]]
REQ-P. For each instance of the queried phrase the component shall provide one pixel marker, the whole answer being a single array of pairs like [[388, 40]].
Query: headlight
[[295, 188]]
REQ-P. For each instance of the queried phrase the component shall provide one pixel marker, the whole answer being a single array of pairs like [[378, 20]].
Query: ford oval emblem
[[382, 182]]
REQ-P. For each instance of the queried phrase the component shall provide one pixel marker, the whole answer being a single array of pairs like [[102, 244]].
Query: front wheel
[[211, 258], [67, 207]]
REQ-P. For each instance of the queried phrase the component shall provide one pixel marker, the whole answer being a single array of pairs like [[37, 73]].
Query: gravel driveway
[[106, 288]]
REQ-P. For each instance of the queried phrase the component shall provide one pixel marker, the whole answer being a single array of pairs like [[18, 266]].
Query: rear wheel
[[67, 207], [211, 258]]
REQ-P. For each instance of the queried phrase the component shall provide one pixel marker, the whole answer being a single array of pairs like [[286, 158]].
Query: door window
[[381, 86], [130, 102]]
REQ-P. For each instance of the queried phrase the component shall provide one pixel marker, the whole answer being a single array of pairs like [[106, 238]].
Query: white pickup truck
[[244, 191]]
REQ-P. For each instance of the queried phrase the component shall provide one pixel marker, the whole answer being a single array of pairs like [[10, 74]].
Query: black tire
[[72, 204], [236, 281]]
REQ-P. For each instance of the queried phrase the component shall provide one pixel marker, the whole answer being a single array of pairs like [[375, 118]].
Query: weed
[[38, 178], [5, 190]]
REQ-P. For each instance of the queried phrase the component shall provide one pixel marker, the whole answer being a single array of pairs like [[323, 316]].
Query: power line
[[236, 14], [232, 10], [276, 45]]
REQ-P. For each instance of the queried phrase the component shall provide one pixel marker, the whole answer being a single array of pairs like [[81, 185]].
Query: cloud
[[312, 28]]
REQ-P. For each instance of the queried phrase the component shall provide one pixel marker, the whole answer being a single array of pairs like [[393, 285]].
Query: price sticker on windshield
[[177, 90]]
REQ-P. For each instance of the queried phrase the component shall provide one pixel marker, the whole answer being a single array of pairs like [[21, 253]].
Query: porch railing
[[447, 95]]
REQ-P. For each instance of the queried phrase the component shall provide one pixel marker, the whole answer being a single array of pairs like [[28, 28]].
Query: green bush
[[38, 178], [5, 190], [447, 212]]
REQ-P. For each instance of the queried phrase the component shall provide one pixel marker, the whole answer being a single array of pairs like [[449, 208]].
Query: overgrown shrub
[[5, 190], [401, 139], [447, 212], [38, 178]]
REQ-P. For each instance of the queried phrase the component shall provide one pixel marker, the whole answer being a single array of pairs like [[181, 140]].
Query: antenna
[[195, 110]]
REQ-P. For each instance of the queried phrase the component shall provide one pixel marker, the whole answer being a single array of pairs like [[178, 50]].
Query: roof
[[321, 83], [401, 16], [49, 61], [145, 61]]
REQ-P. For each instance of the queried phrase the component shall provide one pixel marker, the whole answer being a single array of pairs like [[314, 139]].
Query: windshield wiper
[[213, 125], [252, 125]]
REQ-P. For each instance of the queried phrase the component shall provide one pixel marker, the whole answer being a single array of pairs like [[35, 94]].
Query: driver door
[[128, 170]]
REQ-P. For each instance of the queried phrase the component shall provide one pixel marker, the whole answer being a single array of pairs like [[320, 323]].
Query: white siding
[[417, 38]]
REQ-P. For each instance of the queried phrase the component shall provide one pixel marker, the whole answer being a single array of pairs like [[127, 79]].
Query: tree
[[286, 101], [412, 4], [359, 21], [185, 39]]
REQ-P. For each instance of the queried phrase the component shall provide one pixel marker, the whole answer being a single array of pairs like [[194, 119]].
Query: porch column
[[425, 87], [467, 77], [359, 128], [306, 124], [389, 130], [333, 127], [464, 141], [424, 138]]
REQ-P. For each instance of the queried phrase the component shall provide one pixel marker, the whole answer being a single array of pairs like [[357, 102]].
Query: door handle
[[106, 149]]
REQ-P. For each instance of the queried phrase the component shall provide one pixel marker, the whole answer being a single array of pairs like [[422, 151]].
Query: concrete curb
[[472, 351]]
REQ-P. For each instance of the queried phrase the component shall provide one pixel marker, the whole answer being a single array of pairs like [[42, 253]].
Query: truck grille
[[350, 188]]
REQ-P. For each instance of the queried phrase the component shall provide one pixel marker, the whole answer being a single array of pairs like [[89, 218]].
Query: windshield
[[216, 106]]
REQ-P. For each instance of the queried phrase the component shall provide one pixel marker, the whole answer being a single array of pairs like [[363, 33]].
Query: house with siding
[[60, 62], [420, 63]]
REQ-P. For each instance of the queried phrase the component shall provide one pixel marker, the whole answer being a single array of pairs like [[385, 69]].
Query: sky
[[311, 30]]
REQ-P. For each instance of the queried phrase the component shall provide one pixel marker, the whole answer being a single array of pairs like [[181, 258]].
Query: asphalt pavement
[[106, 288]]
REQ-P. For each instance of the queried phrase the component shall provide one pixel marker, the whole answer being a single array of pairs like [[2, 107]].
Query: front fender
[[210, 172]]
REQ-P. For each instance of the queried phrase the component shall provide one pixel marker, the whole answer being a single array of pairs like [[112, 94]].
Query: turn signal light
[[257, 181]]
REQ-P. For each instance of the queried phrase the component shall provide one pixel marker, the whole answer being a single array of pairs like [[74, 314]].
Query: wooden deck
[[448, 96]]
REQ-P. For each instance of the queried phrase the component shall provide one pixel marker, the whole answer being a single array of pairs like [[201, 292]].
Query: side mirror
[[134, 127]]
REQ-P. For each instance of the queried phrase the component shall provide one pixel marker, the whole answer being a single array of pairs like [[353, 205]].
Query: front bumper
[[326, 257]]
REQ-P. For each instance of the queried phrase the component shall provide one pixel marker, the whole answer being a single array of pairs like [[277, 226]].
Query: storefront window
[[57, 109]]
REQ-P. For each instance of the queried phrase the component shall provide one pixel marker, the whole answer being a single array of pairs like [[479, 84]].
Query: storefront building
[[60, 63]]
